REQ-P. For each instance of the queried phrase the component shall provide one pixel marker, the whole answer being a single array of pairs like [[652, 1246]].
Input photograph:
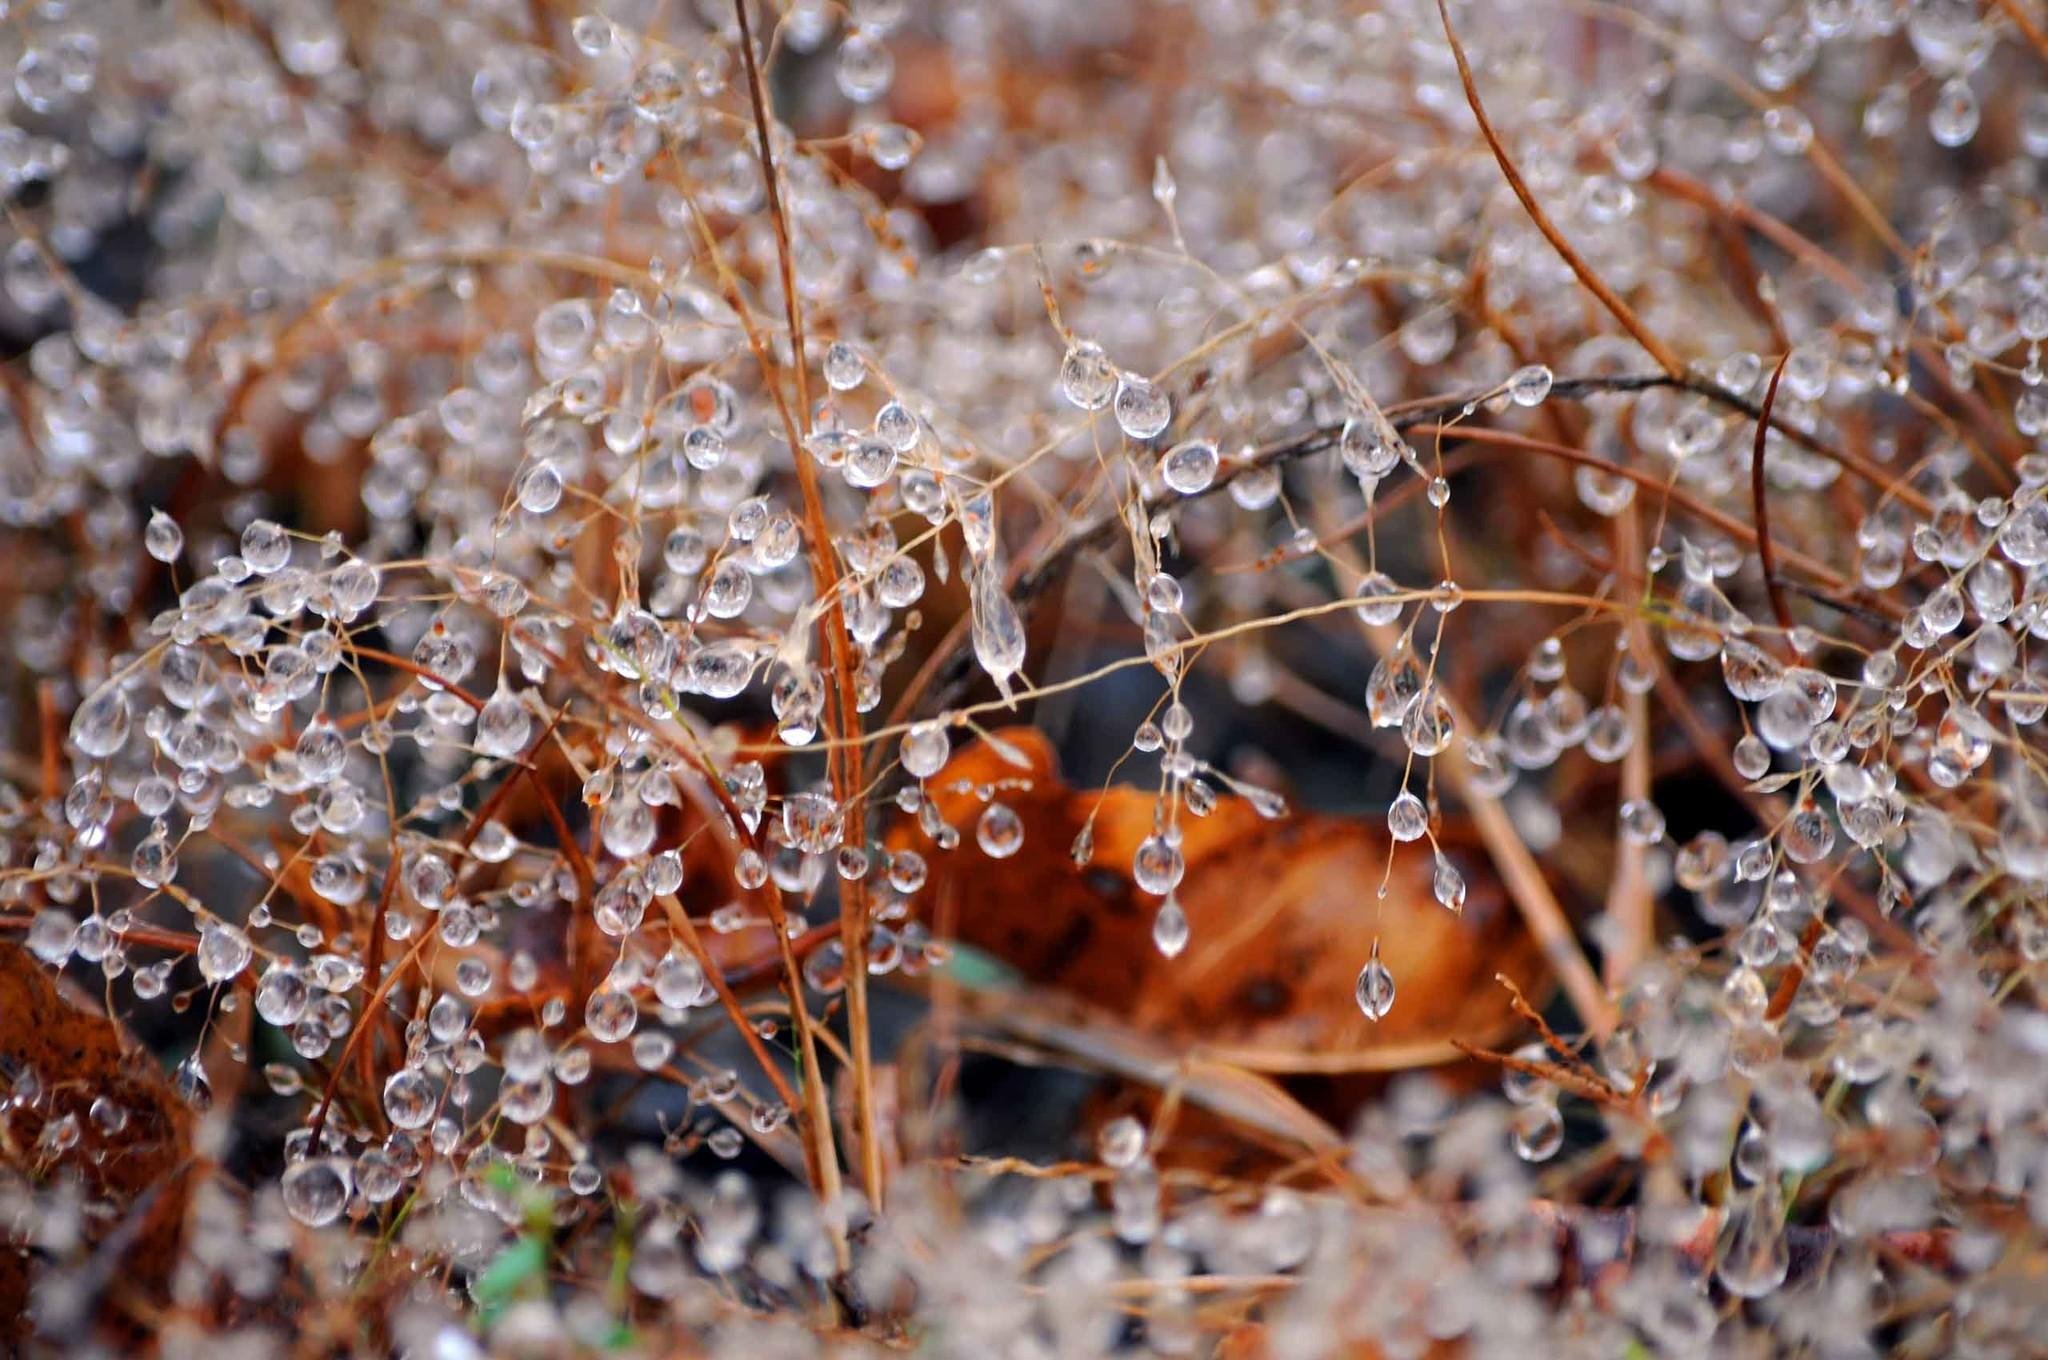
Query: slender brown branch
[[1666, 358], [1761, 502], [845, 756]]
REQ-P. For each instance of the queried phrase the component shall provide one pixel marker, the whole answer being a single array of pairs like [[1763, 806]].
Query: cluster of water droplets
[[448, 586]]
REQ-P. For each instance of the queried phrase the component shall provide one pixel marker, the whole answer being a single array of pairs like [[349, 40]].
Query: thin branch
[[825, 584], [1666, 358], [953, 663], [1761, 502]]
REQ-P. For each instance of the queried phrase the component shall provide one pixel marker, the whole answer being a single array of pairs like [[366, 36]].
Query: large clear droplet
[[1530, 385], [162, 538], [1087, 378], [1407, 819], [409, 1098], [223, 951], [1000, 832], [1375, 990], [998, 629], [925, 748], [1189, 467], [1143, 409], [316, 1191], [1158, 865], [503, 725]]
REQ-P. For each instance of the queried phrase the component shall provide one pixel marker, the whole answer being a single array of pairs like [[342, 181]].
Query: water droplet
[[1157, 867], [610, 1015], [1538, 1130], [998, 630], [1529, 385], [1000, 832], [266, 547], [1143, 409], [503, 725], [1121, 1143], [1755, 1255], [1448, 885], [925, 748], [1170, 929], [1956, 114], [1189, 467], [1375, 991], [1087, 378], [825, 969], [1407, 818], [844, 368], [282, 995], [162, 538], [101, 725], [409, 1099], [316, 1190], [224, 951], [540, 490]]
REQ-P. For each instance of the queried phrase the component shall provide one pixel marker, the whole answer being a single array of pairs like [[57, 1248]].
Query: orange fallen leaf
[[1282, 915]]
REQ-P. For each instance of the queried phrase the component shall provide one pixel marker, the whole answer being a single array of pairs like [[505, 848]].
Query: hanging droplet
[[1367, 450], [1372, 607], [678, 980], [1448, 885], [1642, 822], [824, 971], [1755, 1255], [1428, 726], [266, 547], [1397, 681], [540, 490], [1375, 987], [610, 1014], [100, 726], [503, 725], [1157, 867], [191, 1081], [1407, 818], [627, 828], [282, 996], [1170, 929], [223, 952], [998, 631]]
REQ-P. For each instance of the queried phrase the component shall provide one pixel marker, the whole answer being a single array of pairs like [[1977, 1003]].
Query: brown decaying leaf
[[75, 1055], [1282, 915]]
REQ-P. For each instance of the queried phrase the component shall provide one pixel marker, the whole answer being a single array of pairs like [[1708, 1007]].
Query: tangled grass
[[514, 516]]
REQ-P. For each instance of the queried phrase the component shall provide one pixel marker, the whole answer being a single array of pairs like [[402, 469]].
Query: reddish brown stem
[[1761, 501]]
